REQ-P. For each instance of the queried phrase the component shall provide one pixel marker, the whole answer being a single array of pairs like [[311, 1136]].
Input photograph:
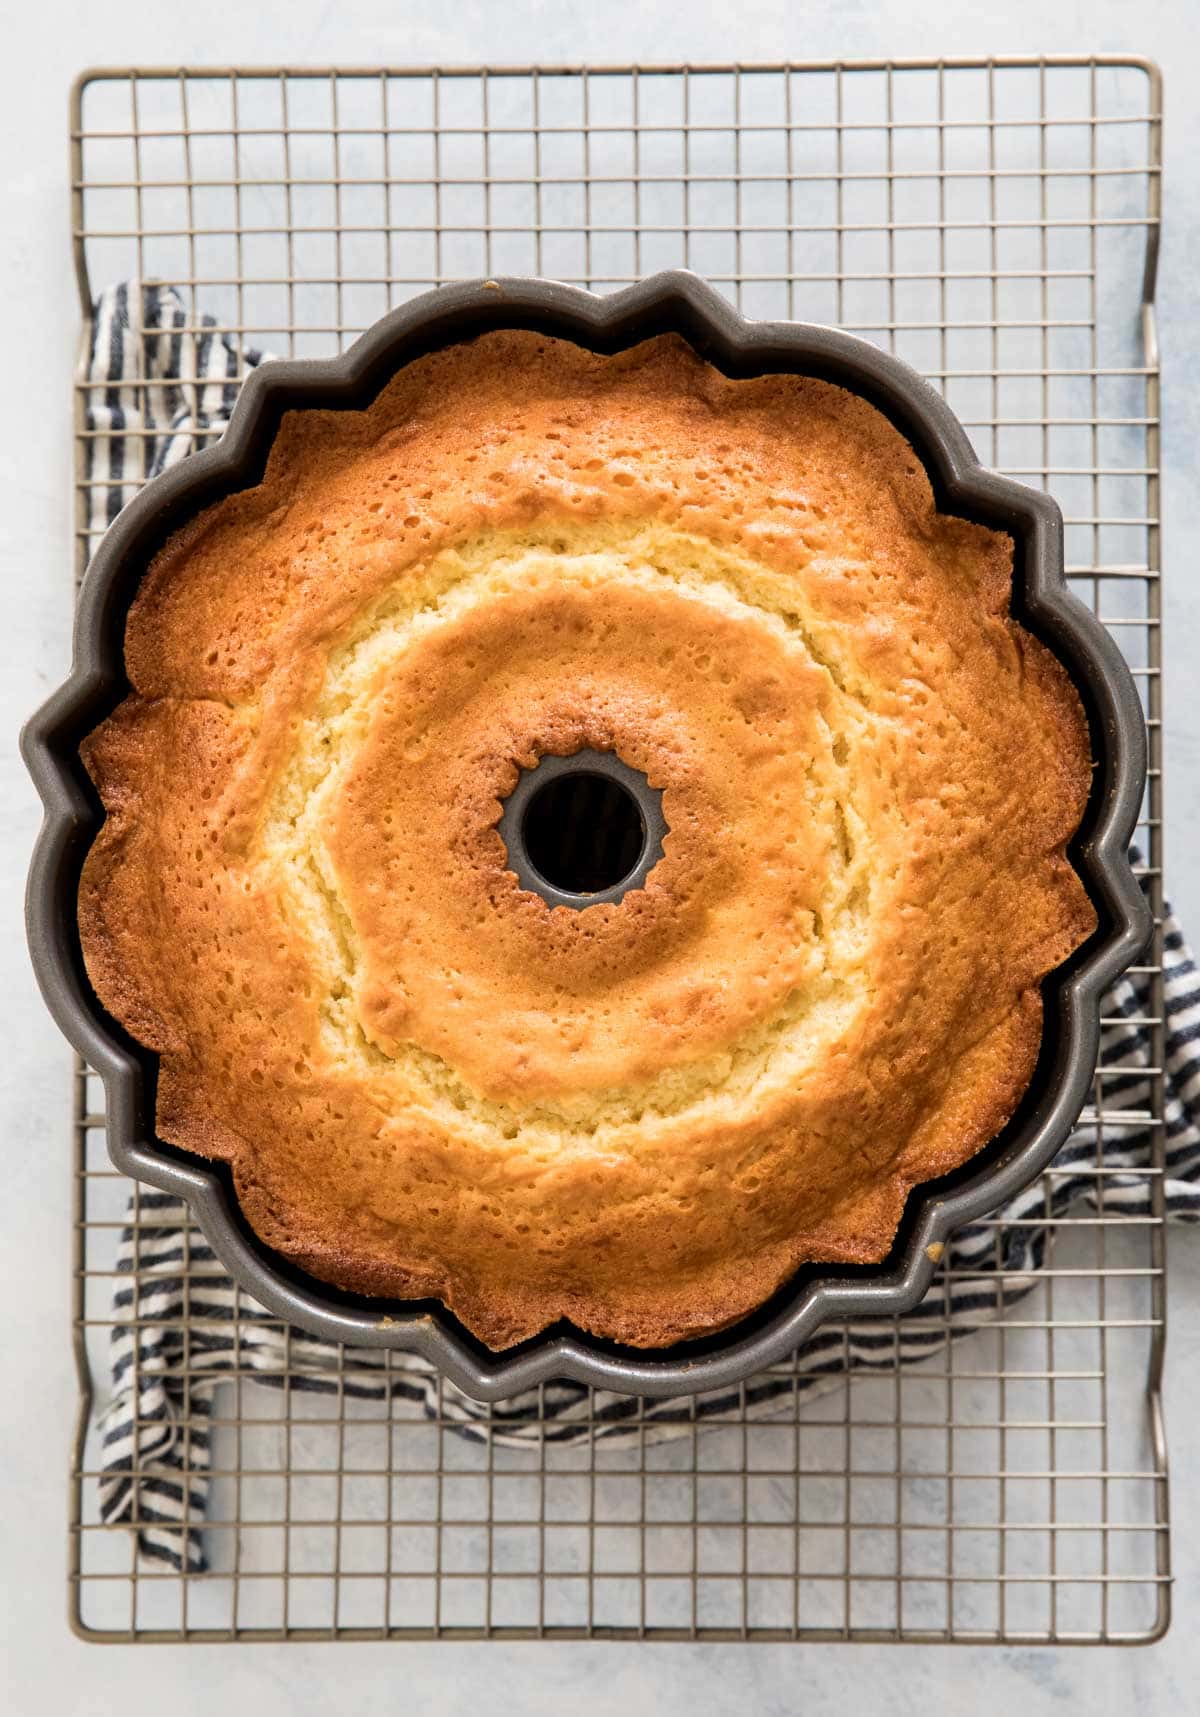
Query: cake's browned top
[[640, 1116]]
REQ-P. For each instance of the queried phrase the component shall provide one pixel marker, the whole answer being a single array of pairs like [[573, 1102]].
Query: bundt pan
[[682, 304]]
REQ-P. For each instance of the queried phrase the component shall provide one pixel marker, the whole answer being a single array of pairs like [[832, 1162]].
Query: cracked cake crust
[[643, 1116]]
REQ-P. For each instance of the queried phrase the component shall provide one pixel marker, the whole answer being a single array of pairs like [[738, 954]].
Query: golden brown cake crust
[[641, 1117]]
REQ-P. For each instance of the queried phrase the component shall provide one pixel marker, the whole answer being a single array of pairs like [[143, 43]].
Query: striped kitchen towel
[[157, 392]]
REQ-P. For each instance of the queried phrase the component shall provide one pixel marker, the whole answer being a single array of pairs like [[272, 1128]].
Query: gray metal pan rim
[[674, 301], [554, 767]]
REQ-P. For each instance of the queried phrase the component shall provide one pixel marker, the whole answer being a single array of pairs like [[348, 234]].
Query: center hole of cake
[[583, 832]]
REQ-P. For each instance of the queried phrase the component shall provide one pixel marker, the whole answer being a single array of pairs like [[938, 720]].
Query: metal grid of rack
[[995, 223]]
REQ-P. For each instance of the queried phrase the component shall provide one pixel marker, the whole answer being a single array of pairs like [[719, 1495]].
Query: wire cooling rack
[[996, 223]]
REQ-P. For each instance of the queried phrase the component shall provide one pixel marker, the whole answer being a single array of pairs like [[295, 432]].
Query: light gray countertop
[[48, 1671]]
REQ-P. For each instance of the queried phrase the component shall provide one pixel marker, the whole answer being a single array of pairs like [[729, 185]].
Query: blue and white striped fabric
[[181, 1327], [156, 393]]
